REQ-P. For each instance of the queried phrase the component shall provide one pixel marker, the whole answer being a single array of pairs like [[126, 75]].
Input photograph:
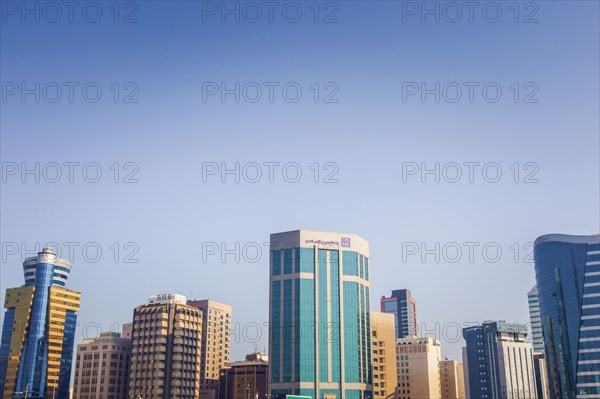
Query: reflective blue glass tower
[[567, 271], [36, 348], [319, 338], [404, 308]]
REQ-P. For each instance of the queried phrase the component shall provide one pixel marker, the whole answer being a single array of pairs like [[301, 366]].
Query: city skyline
[[438, 332], [322, 269], [211, 174], [162, 208]]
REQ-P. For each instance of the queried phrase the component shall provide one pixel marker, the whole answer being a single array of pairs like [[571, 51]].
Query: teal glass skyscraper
[[319, 338], [567, 272]]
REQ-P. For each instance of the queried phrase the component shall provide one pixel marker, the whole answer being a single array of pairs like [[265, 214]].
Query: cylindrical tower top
[[61, 267]]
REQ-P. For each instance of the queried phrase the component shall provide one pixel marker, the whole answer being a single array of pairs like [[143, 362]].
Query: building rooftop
[[571, 239]]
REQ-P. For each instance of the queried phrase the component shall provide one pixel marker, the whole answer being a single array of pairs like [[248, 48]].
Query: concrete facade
[[383, 341], [452, 379], [166, 348], [102, 367], [216, 331], [418, 368]]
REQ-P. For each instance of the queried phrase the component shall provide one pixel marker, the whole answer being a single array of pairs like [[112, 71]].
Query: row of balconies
[[149, 349], [144, 375], [148, 340], [189, 348], [151, 324], [181, 340], [150, 332], [186, 357], [196, 319], [187, 333], [188, 375], [157, 357]]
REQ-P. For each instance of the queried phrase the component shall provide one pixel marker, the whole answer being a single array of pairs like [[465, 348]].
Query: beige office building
[[452, 379], [541, 376], [383, 342], [216, 332], [166, 347], [418, 368], [102, 367]]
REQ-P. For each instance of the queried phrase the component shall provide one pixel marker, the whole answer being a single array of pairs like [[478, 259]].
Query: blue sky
[[368, 56]]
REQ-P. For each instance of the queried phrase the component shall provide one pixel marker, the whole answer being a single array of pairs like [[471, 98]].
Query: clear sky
[[177, 54]]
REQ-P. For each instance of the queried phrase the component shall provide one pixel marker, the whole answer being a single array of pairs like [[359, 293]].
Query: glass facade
[[333, 330], [323, 311], [319, 300], [41, 357], [5, 345], [535, 319], [34, 358], [275, 341], [276, 262], [567, 272], [351, 330], [404, 307], [305, 344], [66, 359], [288, 331]]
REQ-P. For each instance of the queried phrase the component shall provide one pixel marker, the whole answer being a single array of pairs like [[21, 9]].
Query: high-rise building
[[539, 358], [452, 379], [320, 333], [535, 320], [36, 349], [465, 359], [418, 368], [567, 272], [166, 346], [383, 361], [102, 367], [404, 307], [216, 330], [245, 379], [541, 376], [500, 362]]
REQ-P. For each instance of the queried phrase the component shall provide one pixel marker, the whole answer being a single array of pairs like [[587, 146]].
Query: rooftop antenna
[[193, 295]]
